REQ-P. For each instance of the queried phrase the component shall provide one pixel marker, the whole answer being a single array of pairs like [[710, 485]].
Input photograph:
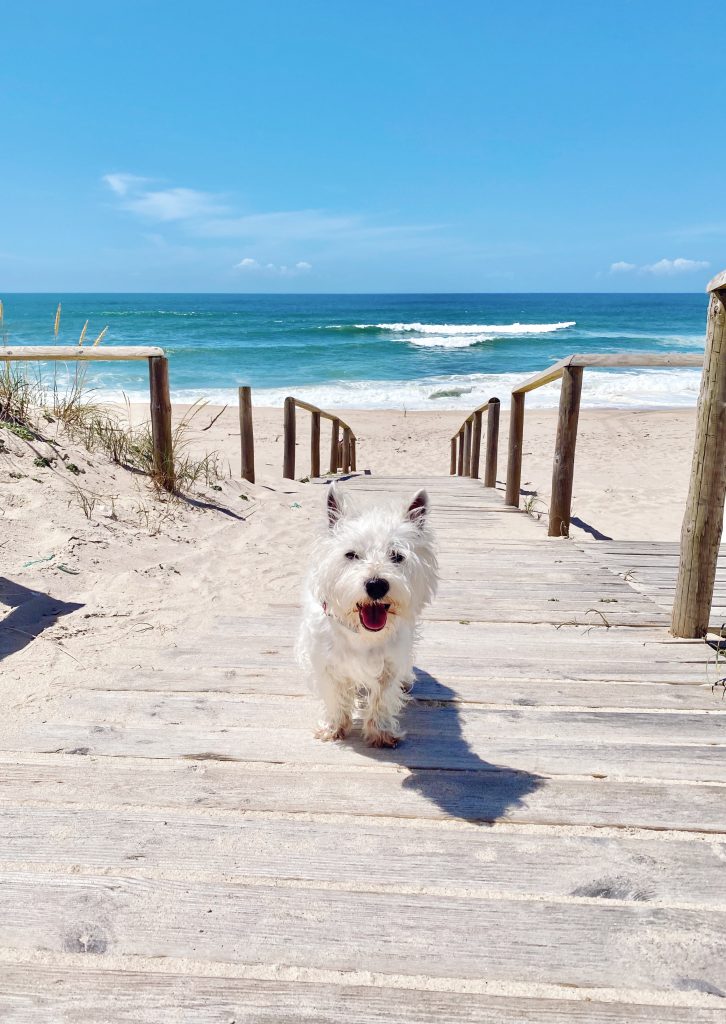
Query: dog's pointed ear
[[418, 509], [335, 506]]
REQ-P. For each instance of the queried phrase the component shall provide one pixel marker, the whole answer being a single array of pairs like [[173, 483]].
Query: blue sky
[[340, 145]]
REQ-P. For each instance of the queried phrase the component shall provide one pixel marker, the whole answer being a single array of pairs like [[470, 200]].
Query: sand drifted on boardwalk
[[99, 574]]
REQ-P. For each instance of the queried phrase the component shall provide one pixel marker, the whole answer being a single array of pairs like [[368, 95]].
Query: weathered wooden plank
[[450, 747], [380, 789], [422, 720], [190, 845], [458, 685], [523, 941], [41, 994], [76, 353]]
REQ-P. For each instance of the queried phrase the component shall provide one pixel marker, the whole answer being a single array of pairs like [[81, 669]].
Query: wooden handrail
[[76, 353], [342, 452], [570, 370], [160, 402], [465, 461], [633, 360]]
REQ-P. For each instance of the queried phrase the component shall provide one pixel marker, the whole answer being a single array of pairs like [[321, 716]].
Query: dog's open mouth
[[374, 616]]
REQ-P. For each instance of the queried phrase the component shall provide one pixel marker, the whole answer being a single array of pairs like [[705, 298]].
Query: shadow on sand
[[33, 611], [443, 767]]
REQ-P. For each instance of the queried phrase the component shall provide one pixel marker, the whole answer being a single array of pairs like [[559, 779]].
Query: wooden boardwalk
[[547, 845]]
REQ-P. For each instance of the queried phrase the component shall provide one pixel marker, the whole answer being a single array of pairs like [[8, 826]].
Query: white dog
[[371, 575]]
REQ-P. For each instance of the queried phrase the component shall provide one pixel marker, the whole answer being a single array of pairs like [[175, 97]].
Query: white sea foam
[[455, 341], [495, 330], [627, 389]]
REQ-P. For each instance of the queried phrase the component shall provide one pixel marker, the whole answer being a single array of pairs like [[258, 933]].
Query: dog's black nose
[[377, 588]]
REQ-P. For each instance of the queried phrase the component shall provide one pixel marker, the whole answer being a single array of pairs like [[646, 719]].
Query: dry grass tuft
[[24, 402]]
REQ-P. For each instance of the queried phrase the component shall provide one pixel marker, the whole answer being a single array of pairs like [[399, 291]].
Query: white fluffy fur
[[349, 666]]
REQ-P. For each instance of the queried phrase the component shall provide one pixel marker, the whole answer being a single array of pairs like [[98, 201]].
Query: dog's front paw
[[381, 738], [327, 731]]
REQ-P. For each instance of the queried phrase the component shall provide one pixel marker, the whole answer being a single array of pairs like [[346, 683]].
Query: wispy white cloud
[[662, 268], [250, 265], [162, 204], [122, 184], [173, 204], [699, 230], [205, 215], [668, 268]]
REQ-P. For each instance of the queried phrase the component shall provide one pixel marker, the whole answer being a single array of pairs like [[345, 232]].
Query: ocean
[[375, 351]]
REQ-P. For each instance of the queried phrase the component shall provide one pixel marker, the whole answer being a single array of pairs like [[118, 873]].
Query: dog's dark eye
[[351, 555], [397, 557]]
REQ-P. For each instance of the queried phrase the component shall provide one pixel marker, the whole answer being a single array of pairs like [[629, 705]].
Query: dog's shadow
[[442, 766]]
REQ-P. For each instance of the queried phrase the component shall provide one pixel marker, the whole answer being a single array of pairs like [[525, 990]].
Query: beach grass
[[27, 406]]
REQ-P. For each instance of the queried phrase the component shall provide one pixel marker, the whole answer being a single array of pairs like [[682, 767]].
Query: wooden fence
[[158, 387], [342, 451], [570, 370], [467, 439]]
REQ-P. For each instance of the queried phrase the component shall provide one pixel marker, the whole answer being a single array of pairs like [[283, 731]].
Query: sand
[[141, 575]]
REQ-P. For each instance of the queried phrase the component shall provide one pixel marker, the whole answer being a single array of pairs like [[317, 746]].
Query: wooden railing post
[[563, 466], [460, 461], [345, 461], [315, 444], [161, 422], [467, 448], [514, 460], [246, 434], [475, 445], [452, 460], [334, 446], [492, 452], [288, 462], [703, 519], [352, 453]]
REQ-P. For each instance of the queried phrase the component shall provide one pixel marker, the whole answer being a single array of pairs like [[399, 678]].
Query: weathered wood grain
[[563, 466], [418, 857], [524, 941], [43, 994], [247, 439], [376, 789], [703, 517]]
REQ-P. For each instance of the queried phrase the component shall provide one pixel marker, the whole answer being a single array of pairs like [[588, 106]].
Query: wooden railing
[[570, 370], [342, 451], [158, 387], [465, 460]]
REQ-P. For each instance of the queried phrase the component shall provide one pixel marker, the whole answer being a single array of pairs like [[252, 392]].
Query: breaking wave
[[492, 330], [602, 389]]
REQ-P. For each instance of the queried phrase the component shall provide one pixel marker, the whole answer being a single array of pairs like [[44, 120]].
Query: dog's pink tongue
[[373, 616]]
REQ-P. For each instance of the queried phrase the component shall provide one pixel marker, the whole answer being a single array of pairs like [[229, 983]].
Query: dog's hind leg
[[337, 696]]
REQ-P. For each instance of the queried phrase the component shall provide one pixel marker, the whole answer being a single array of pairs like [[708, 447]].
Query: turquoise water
[[369, 351]]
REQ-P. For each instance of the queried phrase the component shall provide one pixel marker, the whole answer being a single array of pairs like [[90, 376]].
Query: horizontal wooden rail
[[158, 388], [605, 360], [570, 371], [76, 353], [342, 452], [465, 460]]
